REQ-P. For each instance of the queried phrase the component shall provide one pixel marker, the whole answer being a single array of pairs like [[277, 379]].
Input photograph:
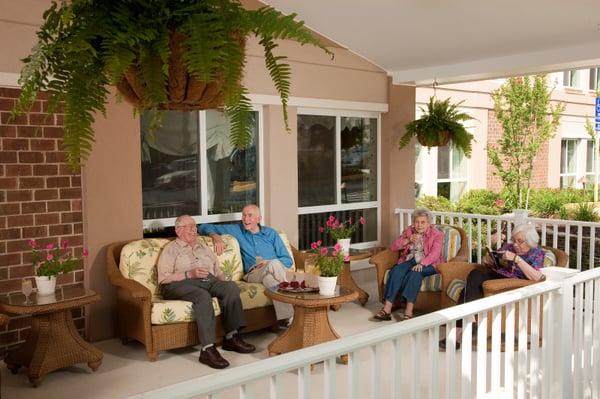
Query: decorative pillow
[[549, 258], [252, 295], [138, 261], [431, 283], [455, 288], [452, 241], [230, 261]]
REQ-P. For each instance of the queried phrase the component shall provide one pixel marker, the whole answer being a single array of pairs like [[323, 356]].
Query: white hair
[[529, 232], [422, 212]]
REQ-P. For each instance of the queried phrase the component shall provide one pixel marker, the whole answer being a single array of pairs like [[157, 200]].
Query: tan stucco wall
[[112, 177], [397, 166], [112, 205]]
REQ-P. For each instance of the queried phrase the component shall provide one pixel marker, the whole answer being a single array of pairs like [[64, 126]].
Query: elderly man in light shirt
[[189, 271]]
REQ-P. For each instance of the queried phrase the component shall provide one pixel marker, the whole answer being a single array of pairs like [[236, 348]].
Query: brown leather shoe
[[237, 344], [212, 358]]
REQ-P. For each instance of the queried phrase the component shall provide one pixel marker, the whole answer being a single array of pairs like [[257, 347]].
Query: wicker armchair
[[461, 270], [134, 307], [426, 300]]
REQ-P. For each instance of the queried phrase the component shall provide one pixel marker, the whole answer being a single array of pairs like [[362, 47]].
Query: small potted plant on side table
[[341, 231], [49, 262], [330, 265]]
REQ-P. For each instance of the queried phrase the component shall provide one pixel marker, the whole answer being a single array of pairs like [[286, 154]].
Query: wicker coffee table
[[53, 341], [311, 323]]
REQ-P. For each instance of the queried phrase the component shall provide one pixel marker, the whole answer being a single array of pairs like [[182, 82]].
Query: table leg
[[345, 279], [310, 326], [53, 343]]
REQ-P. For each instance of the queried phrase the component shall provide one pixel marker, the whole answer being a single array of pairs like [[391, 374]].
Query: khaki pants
[[271, 275]]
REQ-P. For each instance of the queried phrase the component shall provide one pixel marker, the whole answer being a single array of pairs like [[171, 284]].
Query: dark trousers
[[402, 280], [474, 288], [200, 292]]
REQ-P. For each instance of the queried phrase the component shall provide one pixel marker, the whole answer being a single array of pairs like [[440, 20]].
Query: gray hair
[[422, 212], [529, 233], [180, 219]]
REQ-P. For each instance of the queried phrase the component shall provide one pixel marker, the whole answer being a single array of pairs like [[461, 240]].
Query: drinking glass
[[27, 289]]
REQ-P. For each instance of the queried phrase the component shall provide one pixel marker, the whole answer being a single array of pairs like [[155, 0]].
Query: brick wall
[[539, 175], [40, 198]]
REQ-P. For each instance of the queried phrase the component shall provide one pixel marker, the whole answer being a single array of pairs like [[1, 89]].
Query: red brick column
[[40, 198]]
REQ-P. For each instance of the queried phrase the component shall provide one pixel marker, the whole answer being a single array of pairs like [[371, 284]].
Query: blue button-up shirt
[[266, 243]]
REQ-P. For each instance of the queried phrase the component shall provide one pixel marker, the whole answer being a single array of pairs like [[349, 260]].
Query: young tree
[[528, 119]]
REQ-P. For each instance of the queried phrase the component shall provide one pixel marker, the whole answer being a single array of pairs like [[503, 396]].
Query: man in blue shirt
[[264, 256]]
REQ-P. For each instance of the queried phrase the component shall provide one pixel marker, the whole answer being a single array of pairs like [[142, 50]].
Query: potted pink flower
[[341, 231], [330, 264], [50, 262]]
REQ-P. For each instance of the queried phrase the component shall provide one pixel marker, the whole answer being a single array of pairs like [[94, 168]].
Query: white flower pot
[[45, 285], [345, 244], [327, 285]]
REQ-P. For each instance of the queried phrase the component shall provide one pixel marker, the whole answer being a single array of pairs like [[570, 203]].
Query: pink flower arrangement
[[339, 230], [53, 260], [330, 264]]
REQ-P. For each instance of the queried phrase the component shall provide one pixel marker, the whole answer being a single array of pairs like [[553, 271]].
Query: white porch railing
[[549, 349], [577, 239]]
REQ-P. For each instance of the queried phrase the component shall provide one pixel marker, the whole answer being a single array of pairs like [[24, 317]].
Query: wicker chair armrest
[[459, 258], [131, 287], [493, 287], [454, 270], [299, 258], [383, 261]]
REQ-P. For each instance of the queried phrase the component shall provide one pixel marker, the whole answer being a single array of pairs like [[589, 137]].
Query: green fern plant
[[441, 123], [85, 45]]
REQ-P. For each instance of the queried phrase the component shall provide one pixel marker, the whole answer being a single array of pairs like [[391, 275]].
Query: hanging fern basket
[[184, 91], [442, 139]]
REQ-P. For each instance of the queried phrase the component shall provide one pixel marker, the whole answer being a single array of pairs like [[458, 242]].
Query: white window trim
[[338, 206], [224, 217], [429, 178]]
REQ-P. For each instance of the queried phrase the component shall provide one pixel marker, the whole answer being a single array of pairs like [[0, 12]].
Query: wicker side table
[[310, 325], [53, 341]]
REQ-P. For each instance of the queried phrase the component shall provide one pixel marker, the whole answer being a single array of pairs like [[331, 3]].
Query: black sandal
[[407, 317], [382, 315]]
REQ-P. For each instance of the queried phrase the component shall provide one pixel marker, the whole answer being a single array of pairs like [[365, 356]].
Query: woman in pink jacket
[[420, 247]]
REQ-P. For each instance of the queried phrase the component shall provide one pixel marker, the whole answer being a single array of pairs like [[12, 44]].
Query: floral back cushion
[[230, 260]]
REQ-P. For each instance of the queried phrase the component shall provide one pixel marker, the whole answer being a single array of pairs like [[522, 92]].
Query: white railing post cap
[[555, 273]]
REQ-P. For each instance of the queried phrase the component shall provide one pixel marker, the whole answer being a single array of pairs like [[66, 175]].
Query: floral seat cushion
[[176, 311]]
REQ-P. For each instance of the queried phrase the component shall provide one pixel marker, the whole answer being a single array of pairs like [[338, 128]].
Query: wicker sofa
[[454, 249], [160, 324]]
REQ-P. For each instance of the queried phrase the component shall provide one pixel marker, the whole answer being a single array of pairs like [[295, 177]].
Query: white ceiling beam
[[551, 60]]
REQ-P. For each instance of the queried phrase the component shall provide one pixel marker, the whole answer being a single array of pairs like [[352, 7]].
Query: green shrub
[[545, 202], [585, 213], [482, 201], [440, 204]]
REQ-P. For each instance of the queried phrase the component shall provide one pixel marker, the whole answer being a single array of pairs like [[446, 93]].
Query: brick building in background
[[40, 198], [564, 161]]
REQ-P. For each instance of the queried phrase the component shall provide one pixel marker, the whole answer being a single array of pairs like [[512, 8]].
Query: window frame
[[429, 172], [339, 206], [204, 217]]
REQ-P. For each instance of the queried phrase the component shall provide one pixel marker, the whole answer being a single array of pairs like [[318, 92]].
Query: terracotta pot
[[185, 92], [440, 140]]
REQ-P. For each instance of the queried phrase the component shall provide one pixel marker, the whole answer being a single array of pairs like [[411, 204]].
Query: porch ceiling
[[458, 40]]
